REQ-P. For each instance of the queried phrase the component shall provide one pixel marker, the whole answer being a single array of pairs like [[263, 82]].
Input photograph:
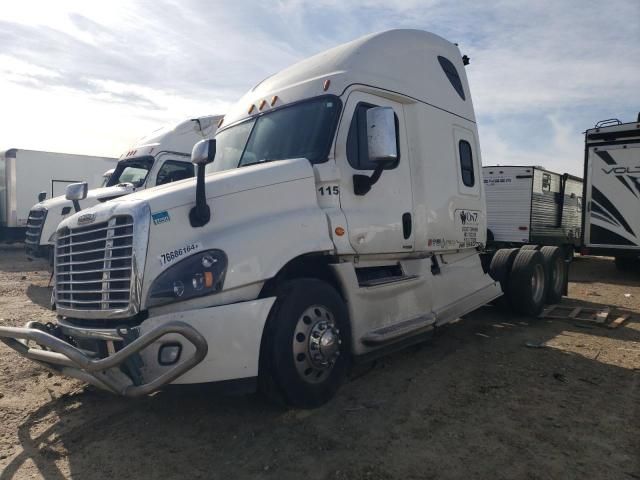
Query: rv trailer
[[529, 205], [611, 219]]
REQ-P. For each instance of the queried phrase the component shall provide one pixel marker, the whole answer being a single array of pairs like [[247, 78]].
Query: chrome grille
[[35, 222], [94, 264]]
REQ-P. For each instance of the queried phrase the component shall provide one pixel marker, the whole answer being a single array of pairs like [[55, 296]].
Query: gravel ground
[[473, 402]]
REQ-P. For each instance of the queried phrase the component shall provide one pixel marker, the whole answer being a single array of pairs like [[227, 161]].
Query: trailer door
[[508, 193], [612, 186]]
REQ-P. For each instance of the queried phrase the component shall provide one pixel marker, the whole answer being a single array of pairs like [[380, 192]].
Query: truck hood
[[223, 183], [99, 194]]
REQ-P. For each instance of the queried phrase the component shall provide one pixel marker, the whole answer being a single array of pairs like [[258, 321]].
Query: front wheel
[[306, 354]]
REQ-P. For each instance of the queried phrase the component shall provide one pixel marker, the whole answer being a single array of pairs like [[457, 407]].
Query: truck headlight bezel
[[200, 274]]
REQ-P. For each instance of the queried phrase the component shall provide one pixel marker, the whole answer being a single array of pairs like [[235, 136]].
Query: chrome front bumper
[[63, 358]]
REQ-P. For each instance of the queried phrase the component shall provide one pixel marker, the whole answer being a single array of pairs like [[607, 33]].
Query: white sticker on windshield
[[178, 253]]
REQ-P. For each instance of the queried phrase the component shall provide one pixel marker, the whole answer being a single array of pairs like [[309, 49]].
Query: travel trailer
[[529, 205], [156, 159], [27, 176], [339, 213], [611, 219]]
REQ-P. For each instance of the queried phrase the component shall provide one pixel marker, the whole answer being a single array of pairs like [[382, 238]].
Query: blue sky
[[92, 76]]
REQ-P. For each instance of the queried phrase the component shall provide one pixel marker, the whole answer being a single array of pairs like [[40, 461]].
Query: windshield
[[303, 130], [133, 170]]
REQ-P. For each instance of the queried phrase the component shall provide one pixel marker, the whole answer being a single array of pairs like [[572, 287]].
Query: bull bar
[[65, 359]]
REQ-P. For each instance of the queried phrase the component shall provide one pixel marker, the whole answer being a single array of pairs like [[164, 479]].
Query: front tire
[[306, 352]]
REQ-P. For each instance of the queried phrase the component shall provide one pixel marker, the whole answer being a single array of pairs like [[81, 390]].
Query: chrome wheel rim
[[316, 344], [537, 283]]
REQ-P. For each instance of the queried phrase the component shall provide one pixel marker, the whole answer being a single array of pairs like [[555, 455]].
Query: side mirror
[[76, 192], [382, 145], [381, 135], [42, 196], [203, 152]]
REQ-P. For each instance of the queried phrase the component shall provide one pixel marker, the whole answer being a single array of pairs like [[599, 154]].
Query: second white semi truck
[[338, 213], [156, 159]]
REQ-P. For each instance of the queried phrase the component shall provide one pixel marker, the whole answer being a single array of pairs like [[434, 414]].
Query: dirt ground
[[473, 402]]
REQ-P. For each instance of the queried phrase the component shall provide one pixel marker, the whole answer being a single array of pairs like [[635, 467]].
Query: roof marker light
[[262, 104], [274, 99], [251, 108], [220, 122], [325, 85]]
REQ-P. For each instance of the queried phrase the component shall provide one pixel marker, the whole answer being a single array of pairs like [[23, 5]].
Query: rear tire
[[305, 356], [529, 247], [500, 269], [527, 283], [556, 273]]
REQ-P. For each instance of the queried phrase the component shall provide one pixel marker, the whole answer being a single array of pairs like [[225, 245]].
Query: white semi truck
[[27, 176], [159, 158], [611, 219], [342, 214]]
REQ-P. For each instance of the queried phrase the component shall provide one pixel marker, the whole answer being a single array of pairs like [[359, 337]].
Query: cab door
[[381, 220]]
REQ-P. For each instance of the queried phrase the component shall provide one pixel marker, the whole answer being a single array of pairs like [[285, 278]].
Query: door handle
[[406, 225]]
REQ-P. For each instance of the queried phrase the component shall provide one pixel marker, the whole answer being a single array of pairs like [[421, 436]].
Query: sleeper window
[[466, 164], [357, 149], [453, 76]]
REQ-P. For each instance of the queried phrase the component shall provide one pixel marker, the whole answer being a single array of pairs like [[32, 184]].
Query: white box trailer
[[24, 174], [612, 191], [342, 215], [532, 205]]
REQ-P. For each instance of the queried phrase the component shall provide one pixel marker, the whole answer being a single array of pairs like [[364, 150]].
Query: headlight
[[195, 276]]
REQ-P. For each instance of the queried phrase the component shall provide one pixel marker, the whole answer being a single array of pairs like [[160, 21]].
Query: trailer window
[[546, 182], [452, 74], [172, 171], [466, 163], [357, 149]]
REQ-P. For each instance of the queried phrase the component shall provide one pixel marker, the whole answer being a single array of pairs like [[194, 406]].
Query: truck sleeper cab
[[159, 158], [342, 213]]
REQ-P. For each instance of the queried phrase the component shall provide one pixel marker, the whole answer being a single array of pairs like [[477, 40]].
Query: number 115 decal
[[329, 190]]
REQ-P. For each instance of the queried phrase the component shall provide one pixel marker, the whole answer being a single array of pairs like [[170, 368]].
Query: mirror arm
[[201, 213], [363, 183], [76, 205]]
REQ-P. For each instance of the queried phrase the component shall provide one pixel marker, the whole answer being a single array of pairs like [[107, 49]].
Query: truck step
[[391, 333], [375, 282]]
